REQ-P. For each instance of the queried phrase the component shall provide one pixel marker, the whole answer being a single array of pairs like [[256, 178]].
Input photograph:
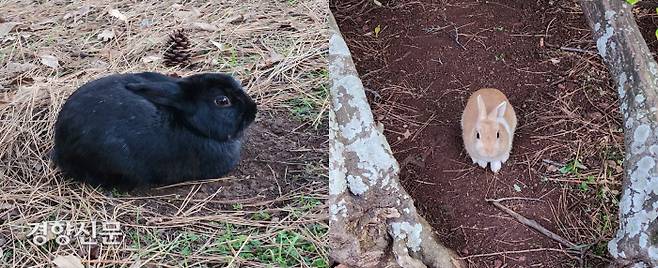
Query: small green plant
[[573, 167], [237, 206], [6, 254], [600, 249], [116, 192], [605, 219], [500, 57], [185, 243], [584, 186], [301, 108], [233, 61], [499, 28], [135, 237], [309, 203], [261, 216]]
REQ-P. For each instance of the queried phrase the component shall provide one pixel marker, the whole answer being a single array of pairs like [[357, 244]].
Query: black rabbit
[[130, 130]]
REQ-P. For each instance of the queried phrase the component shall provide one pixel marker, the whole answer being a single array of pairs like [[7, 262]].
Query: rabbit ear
[[500, 110], [163, 93], [482, 110]]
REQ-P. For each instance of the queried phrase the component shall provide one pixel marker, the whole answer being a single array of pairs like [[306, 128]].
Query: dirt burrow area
[[280, 157], [421, 60]]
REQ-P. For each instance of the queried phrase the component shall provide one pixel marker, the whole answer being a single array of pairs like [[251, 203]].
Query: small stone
[[594, 115], [551, 168], [498, 263]]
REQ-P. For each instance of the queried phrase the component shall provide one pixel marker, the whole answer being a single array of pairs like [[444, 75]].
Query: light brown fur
[[490, 147]]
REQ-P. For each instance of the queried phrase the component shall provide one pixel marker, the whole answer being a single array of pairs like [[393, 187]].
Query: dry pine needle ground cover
[[269, 212]]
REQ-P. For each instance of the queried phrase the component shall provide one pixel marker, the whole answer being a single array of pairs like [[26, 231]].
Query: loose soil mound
[[422, 59]]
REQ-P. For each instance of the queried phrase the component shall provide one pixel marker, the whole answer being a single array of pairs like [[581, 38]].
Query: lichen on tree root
[[627, 56], [373, 221]]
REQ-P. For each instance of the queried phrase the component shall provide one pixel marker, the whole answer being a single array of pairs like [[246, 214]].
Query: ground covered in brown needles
[[268, 212], [420, 60]]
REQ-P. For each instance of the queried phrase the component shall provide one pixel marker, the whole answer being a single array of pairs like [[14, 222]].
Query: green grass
[[281, 248], [284, 248], [308, 107], [237, 206]]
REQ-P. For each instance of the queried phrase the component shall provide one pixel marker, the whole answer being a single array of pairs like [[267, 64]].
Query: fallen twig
[[512, 252], [535, 225]]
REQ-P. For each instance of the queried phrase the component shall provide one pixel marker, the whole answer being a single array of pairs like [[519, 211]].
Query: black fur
[[129, 130]]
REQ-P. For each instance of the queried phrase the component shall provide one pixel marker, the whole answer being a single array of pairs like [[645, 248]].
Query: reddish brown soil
[[419, 76]]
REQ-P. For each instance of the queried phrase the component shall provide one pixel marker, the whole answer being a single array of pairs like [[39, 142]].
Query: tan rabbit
[[488, 126]]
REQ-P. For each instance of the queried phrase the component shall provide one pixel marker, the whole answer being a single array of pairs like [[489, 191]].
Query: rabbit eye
[[477, 135], [497, 135], [222, 101]]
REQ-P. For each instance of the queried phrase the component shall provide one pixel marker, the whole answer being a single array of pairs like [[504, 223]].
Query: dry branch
[[373, 221], [534, 225], [620, 44]]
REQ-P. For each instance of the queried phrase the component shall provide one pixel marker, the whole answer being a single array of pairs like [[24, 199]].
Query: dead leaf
[[117, 14], [49, 60], [378, 29], [205, 26], [406, 134], [6, 27], [151, 58], [70, 261], [219, 45], [274, 58], [106, 35], [236, 19]]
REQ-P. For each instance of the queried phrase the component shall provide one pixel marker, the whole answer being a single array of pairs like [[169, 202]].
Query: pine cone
[[178, 49]]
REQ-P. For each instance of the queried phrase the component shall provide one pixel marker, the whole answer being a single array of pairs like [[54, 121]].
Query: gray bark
[[629, 61], [373, 221]]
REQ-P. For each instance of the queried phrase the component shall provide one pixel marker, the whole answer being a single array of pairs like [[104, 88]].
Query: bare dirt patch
[[422, 59]]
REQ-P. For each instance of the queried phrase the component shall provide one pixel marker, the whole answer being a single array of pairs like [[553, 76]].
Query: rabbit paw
[[505, 158], [482, 163], [495, 166]]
